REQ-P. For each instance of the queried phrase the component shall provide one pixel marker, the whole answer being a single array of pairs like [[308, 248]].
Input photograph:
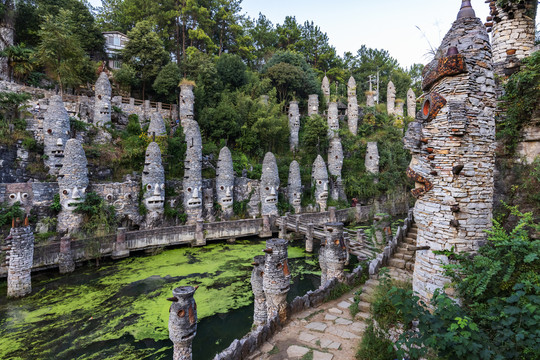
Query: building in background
[[115, 42]]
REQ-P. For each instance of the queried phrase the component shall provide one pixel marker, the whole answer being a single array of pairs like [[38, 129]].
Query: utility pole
[[377, 86]]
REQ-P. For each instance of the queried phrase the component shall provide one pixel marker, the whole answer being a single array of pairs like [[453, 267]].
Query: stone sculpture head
[[269, 185], [193, 170], [313, 104], [333, 120], [157, 125], [21, 193], [335, 157], [319, 174], [294, 186], [225, 180], [153, 179], [183, 315], [102, 107], [187, 101], [56, 133], [73, 176]]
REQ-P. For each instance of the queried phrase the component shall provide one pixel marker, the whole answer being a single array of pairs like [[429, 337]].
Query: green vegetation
[[99, 218], [500, 292]]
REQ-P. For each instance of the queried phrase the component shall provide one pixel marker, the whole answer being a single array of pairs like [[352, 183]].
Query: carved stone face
[[333, 120], [122, 196], [73, 176], [269, 185], [102, 109], [193, 168], [21, 193], [335, 157], [313, 104], [153, 179], [56, 133], [187, 100], [194, 194], [294, 186], [183, 315], [225, 179], [294, 117], [208, 198], [320, 180]]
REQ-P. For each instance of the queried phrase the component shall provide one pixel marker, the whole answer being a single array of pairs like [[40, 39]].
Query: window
[[116, 41]]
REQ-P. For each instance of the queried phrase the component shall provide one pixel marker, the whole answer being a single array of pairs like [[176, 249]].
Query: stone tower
[[269, 185], [335, 165], [452, 142], [259, 302], [333, 120], [335, 252], [325, 87], [390, 98], [102, 101], [21, 257], [182, 321], [72, 184], [313, 104], [277, 278], [352, 107], [372, 158], [153, 182], [513, 34], [187, 103], [294, 125], [411, 103], [193, 171], [225, 182], [157, 125], [7, 36], [294, 187], [55, 133], [319, 174], [370, 98]]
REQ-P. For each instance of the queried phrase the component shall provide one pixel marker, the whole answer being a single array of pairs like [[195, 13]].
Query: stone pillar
[[411, 103], [513, 34], [66, 264], [294, 187], [453, 185], [294, 125], [21, 257], [309, 237], [319, 175], [335, 165], [277, 278], [259, 301], [390, 98], [332, 214], [199, 233], [372, 159], [335, 251], [225, 182], [370, 98], [325, 87], [208, 201], [153, 183], [283, 227], [157, 125], [352, 106], [56, 128], [333, 120], [120, 249], [187, 102], [7, 36], [192, 183], [182, 321], [322, 263], [269, 185], [313, 104], [267, 227], [102, 100], [398, 111]]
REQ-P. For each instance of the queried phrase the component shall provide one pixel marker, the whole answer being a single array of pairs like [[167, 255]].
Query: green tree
[[20, 60], [126, 76], [60, 51], [145, 53], [231, 70], [166, 83], [265, 39], [289, 33]]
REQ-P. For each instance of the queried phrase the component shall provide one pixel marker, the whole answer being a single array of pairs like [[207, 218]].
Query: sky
[[407, 29]]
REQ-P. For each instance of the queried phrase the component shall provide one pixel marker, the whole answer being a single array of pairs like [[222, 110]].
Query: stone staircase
[[400, 266]]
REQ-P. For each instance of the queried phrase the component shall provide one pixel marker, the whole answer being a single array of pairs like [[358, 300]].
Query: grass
[[338, 291], [310, 316], [308, 356], [274, 350], [374, 345]]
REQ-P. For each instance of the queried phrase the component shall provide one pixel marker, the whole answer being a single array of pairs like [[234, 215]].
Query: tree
[[286, 78], [289, 33], [265, 39], [20, 60], [60, 51], [231, 70], [145, 53], [166, 83]]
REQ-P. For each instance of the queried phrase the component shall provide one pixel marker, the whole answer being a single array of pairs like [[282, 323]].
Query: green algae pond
[[119, 310]]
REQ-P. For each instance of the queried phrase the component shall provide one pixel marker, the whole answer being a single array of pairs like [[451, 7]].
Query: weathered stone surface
[[325, 87], [390, 98], [55, 133], [294, 125], [295, 351], [102, 101], [294, 187], [225, 182], [319, 175], [269, 185], [259, 313], [182, 321], [313, 104], [335, 165], [352, 106], [72, 183], [153, 183], [333, 120], [276, 279], [372, 158], [411, 103], [21, 254], [335, 252], [193, 171], [187, 103], [317, 355], [157, 125], [468, 108], [124, 197], [317, 326], [370, 98]]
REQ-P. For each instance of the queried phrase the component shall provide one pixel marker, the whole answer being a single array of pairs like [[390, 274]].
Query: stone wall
[[20, 261]]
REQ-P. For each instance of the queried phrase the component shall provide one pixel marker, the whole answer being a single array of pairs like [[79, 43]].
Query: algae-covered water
[[120, 309]]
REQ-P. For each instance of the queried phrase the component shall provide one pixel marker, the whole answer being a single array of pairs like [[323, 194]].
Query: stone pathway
[[329, 332]]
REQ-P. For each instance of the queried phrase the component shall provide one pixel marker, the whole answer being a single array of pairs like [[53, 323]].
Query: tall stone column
[[187, 102], [269, 185], [66, 263], [372, 159], [294, 187], [352, 107], [335, 251], [267, 227], [313, 104], [277, 278], [309, 237], [259, 302], [208, 201], [335, 165], [21, 257], [157, 125], [411, 103], [325, 87], [56, 128], [199, 233], [7, 37], [120, 249], [322, 263], [225, 182], [370, 98], [102, 101], [183, 321], [153, 184], [332, 214], [283, 227], [294, 125], [192, 184], [333, 120], [453, 185], [390, 98], [319, 175]]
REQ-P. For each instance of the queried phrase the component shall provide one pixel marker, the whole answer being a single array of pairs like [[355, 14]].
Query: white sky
[[382, 24]]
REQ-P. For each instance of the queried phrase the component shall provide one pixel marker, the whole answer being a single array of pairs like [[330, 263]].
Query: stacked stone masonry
[[19, 282]]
